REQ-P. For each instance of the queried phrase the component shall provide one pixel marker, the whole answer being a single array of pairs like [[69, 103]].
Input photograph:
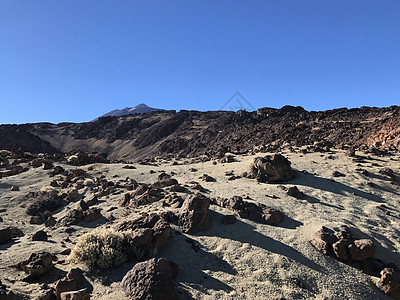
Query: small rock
[[389, 283], [82, 294], [340, 248], [14, 188], [40, 235], [338, 174], [295, 192], [323, 240], [50, 222], [207, 178]]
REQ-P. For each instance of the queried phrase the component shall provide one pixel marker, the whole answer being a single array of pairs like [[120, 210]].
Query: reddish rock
[[50, 222], [362, 249], [194, 216], [71, 282], [92, 214], [389, 283], [72, 195], [164, 180], [323, 240], [271, 216], [340, 248]]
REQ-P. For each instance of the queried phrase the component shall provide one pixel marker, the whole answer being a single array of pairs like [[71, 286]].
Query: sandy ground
[[245, 260]]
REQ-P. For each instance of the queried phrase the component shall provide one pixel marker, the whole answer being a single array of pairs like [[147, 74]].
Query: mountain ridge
[[192, 133], [138, 109]]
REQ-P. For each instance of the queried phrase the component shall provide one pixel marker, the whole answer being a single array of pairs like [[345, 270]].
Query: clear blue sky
[[75, 60]]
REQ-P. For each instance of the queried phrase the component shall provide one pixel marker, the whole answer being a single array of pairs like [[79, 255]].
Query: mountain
[[138, 109], [193, 133]]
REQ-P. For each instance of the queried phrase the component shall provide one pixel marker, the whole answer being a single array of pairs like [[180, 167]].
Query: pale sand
[[245, 260]]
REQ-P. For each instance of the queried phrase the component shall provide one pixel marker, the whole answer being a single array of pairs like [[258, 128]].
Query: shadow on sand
[[331, 186]]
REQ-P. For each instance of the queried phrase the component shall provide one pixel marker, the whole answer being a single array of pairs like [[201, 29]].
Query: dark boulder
[[194, 216], [37, 265], [272, 169], [150, 280]]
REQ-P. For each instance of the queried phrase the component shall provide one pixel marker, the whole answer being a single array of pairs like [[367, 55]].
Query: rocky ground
[[218, 229]]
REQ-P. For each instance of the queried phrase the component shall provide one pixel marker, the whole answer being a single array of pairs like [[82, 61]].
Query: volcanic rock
[[8, 233], [164, 180], [362, 249], [194, 216], [151, 279], [40, 235], [37, 265], [272, 169], [389, 283], [323, 240], [42, 201], [293, 191]]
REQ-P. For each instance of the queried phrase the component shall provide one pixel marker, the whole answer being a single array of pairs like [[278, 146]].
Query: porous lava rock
[[194, 215], [276, 168], [150, 280]]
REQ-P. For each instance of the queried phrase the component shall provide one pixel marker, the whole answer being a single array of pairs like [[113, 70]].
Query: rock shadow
[[314, 200], [8, 244], [246, 233], [111, 275], [331, 186]]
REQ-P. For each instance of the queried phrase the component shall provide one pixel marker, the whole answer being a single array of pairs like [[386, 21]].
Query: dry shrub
[[99, 248], [88, 182], [5, 153], [73, 160]]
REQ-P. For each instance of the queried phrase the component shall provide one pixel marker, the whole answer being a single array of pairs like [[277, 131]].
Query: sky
[[72, 61]]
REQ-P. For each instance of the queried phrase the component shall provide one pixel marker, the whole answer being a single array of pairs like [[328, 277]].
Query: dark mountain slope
[[195, 133]]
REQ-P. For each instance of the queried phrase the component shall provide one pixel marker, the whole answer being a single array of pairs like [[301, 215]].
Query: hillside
[[194, 133]]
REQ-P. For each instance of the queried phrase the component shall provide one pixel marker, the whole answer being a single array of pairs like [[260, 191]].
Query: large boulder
[[389, 283], [272, 169], [71, 282], [150, 280], [43, 201], [148, 234], [194, 216], [37, 265]]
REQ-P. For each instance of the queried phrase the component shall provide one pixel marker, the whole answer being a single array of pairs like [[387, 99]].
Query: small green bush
[[99, 248]]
